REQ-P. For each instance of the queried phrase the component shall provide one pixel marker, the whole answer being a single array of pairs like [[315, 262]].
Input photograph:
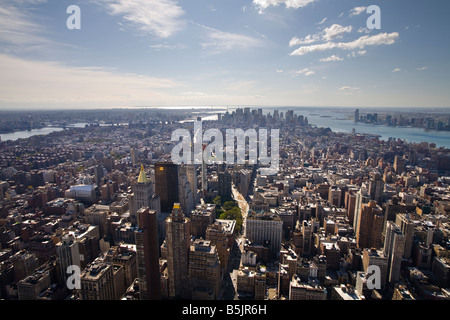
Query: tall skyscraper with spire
[[144, 195], [178, 241]]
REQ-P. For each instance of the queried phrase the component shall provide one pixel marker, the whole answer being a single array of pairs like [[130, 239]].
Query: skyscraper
[[97, 281], [178, 240], [185, 195], [166, 184], [224, 185], [394, 246], [361, 197], [68, 254], [356, 115], [351, 207], [334, 196], [191, 171], [399, 164], [393, 207], [265, 229], [376, 188], [218, 237], [144, 195], [307, 238], [377, 258], [204, 174], [204, 270], [370, 226], [147, 249], [407, 226]]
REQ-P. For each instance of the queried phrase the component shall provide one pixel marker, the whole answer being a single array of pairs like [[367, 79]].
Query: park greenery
[[228, 209]]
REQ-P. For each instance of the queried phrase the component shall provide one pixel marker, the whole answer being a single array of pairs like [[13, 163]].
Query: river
[[343, 122], [43, 131], [338, 120], [28, 133]]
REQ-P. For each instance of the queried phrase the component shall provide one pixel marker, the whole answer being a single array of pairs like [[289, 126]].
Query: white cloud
[[17, 26], [360, 43], [21, 33], [25, 81], [396, 70], [161, 46], [357, 53], [357, 11], [192, 93], [167, 46], [332, 59], [30, 1], [347, 90], [422, 68], [335, 31], [364, 30], [264, 4], [220, 41], [307, 72], [161, 18], [323, 20], [306, 40]]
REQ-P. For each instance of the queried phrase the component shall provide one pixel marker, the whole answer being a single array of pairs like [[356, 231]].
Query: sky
[[161, 53]]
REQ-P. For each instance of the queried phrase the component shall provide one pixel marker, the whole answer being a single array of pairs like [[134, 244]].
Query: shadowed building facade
[[147, 249], [166, 184], [370, 226], [178, 241]]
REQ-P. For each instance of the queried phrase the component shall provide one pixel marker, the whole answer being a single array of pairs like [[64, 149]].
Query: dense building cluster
[[108, 200], [426, 121]]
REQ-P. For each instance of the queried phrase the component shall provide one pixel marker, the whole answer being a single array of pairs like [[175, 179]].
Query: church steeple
[[142, 176]]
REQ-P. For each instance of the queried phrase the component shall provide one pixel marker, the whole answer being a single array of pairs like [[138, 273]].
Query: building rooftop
[[142, 176], [203, 246], [95, 270], [227, 225], [347, 292]]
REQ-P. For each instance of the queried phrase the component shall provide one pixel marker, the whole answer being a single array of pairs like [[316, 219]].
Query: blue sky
[[224, 53]]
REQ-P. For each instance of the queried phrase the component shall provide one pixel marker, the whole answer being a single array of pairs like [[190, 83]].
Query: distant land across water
[[336, 118], [342, 120]]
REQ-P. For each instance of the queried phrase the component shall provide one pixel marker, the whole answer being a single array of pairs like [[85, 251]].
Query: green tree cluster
[[229, 210]]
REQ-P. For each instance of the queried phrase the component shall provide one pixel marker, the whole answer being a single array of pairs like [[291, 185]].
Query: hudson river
[[342, 120], [338, 120]]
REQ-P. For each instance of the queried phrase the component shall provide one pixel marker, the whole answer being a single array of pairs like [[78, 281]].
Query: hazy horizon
[[230, 107]]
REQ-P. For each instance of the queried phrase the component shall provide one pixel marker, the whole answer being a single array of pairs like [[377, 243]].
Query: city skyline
[[102, 213], [256, 52]]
